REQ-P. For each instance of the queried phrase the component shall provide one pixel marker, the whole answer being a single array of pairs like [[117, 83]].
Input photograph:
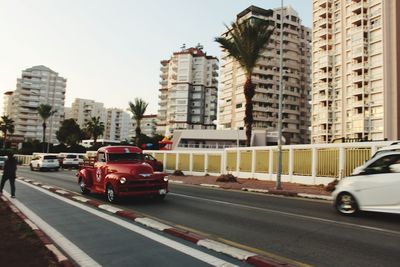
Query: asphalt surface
[[305, 231]]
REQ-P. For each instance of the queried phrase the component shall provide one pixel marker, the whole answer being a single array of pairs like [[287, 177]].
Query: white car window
[[382, 165]]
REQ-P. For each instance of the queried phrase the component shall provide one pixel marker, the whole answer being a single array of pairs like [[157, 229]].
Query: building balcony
[[359, 53], [357, 6], [357, 19], [324, 33], [323, 12], [323, 75], [360, 78], [359, 66], [323, 22]]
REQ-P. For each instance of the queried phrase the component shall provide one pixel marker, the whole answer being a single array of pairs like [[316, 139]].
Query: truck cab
[[119, 171]]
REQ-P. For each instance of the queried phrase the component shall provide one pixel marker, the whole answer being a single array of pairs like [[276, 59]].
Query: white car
[[375, 186], [45, 162], [72, 161]]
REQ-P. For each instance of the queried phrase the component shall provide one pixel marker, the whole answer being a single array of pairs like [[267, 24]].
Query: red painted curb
[[261, 261], [93, 203], [127, 214], [184, 234]]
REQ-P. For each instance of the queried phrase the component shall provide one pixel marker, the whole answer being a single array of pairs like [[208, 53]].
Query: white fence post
[[271, 163], [165, 161], [253, 162], [237, 162], [291, 163], [314, 164], [191, 163], [342, 159], [205, 163], [177, 161]]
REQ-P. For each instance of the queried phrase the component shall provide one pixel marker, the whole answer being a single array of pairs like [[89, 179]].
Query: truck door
[[99, 172]]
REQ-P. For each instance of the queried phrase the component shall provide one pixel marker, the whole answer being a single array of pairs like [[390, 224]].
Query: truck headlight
[[166, 178], [122, 180]]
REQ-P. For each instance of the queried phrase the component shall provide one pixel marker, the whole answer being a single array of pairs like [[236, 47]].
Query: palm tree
[[245, 42], [6, 126], [45, 112], [138, 108], [95, 128]]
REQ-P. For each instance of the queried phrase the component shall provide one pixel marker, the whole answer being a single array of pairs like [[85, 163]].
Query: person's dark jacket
[[10, 168]]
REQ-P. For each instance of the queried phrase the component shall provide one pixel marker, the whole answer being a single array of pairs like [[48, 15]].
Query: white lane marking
[[315, 196], [152, 223], [109, 208], [221, 247], [175, 182], [292, 214], [146, 233], [73, 251], [210, 185]]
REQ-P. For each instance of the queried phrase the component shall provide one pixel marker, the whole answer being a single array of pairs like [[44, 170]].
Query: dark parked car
[[157, 165]]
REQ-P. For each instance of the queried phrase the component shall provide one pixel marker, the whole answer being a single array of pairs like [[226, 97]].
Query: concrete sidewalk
[[258, 186]]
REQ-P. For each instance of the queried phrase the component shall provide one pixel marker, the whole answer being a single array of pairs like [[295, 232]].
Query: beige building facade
[[37, 85], [296, 80], [355, 93], [188, 93], [82, 110]]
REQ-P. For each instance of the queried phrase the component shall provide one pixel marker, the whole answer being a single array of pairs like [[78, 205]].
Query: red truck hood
[[139, 168]]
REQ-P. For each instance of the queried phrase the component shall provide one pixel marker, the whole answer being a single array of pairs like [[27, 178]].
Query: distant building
[[118, 124], [220, 139], [188, 93], [266, 75], [82, 110], [7, 103], [37, 85], [148, 126], [356, 70]]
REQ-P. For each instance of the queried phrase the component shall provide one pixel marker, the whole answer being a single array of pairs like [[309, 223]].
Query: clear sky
[[110, 50]]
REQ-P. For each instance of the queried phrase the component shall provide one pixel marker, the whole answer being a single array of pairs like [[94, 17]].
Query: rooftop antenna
[[183, 46]]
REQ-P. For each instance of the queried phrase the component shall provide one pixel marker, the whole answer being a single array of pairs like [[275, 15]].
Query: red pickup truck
[[118, 171]]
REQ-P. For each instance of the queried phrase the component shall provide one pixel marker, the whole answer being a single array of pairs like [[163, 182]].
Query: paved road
[[302, 230], [95, 238]]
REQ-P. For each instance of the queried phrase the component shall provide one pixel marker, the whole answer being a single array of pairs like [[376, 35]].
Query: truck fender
[[112, 179], [86, 176]]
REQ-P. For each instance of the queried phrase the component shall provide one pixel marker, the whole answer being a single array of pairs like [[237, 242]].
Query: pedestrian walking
[[9, 173]]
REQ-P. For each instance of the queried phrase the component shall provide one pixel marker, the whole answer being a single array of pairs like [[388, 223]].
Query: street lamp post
[[279, 171]]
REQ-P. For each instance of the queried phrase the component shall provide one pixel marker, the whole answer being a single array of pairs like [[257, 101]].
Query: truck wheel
[[110, 193], [82, 185]]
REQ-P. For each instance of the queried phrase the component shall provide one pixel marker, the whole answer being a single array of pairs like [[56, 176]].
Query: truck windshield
[[125, 156]]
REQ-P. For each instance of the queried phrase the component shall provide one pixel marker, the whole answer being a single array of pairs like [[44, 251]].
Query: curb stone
[[228, 250]]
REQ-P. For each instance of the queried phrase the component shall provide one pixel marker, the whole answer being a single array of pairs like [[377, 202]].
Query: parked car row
[[50, 162]]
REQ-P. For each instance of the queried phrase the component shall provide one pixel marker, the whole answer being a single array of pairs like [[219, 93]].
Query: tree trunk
[[249, 91], [5, 139], [137, 132], [44, 136]]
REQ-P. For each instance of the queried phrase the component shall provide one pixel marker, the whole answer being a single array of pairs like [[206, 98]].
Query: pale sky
[[110, 50]]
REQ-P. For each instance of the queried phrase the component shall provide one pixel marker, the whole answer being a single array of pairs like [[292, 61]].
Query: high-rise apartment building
[[118, 125], [82, 110], [188, 93], [296, 79], [356, 57], [38, 85]]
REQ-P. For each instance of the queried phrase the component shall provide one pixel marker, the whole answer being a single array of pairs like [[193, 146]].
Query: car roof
[[394, 146], [120, 149]]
